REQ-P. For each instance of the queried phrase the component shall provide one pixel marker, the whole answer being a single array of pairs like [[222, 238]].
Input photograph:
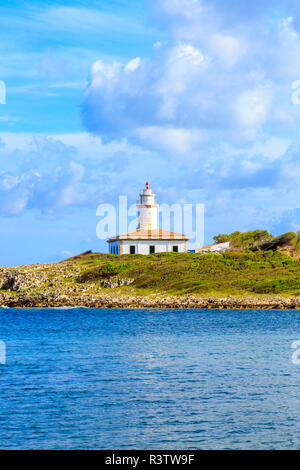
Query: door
[[152, 249], [132, 249]]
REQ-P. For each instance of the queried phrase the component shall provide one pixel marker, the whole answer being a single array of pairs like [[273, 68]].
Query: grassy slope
[[238, 273]]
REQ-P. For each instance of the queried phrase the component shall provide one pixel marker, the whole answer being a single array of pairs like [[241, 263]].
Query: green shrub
[[245, 239]]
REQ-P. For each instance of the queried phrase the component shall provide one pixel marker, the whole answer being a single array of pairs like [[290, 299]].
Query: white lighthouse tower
[[147, 210], [148, 238]]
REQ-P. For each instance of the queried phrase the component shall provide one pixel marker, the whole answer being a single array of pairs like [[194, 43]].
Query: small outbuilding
[[215, 248]]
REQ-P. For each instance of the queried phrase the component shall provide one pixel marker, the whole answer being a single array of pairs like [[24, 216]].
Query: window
[[151, 249], [175, 248], [132, 249]]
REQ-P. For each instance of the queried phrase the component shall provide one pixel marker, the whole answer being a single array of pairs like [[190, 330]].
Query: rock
[[56, 299], [285, 240], [112, 284], [12, 281]]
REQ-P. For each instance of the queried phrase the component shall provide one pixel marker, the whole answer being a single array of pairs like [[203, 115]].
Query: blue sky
[[194, 94]]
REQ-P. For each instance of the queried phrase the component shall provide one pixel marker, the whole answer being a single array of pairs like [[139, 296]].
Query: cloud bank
[[212, 75], [207, 115], [214, 101]]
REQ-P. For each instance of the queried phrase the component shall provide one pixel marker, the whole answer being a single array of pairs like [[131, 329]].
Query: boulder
[[113, 283]]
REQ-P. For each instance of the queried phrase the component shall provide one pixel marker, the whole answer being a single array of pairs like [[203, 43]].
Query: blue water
[[166, 379]]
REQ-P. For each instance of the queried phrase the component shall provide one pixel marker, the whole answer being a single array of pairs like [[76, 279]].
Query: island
[[262, 273]]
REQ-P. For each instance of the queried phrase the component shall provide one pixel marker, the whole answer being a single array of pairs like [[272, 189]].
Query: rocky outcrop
[[285, 240], [285, 244], [32, 277], [18, 281], [11, 282], [113, 283]]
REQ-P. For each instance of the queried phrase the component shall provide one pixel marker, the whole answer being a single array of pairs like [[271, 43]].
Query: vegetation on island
[[258, 240], [257, 264], [234, 273], [245, 240]]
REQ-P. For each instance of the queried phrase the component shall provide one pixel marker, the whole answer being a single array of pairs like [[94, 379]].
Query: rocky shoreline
[[125, 301]]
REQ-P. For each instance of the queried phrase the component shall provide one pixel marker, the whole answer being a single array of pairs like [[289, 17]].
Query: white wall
[[147, 217], [161, 246]]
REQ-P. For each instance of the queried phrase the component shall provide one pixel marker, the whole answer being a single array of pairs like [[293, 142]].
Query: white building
[[147, 238], [215, 248]]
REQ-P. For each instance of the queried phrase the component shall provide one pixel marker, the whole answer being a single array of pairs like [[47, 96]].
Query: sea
[[149, 379]]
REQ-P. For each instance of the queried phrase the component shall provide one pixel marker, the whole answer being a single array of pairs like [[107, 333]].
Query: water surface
[[169, 379]]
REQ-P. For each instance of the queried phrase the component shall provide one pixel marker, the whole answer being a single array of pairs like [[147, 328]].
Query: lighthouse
[[148, 238], [147, 210]]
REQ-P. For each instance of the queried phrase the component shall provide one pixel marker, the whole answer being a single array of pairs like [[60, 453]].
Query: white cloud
[[209, 77], [181, 69], [51, 174], [252, 107], [171, 140], [67, 253], [133, 65], [104, 75], [271, 148], [229, 49]]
